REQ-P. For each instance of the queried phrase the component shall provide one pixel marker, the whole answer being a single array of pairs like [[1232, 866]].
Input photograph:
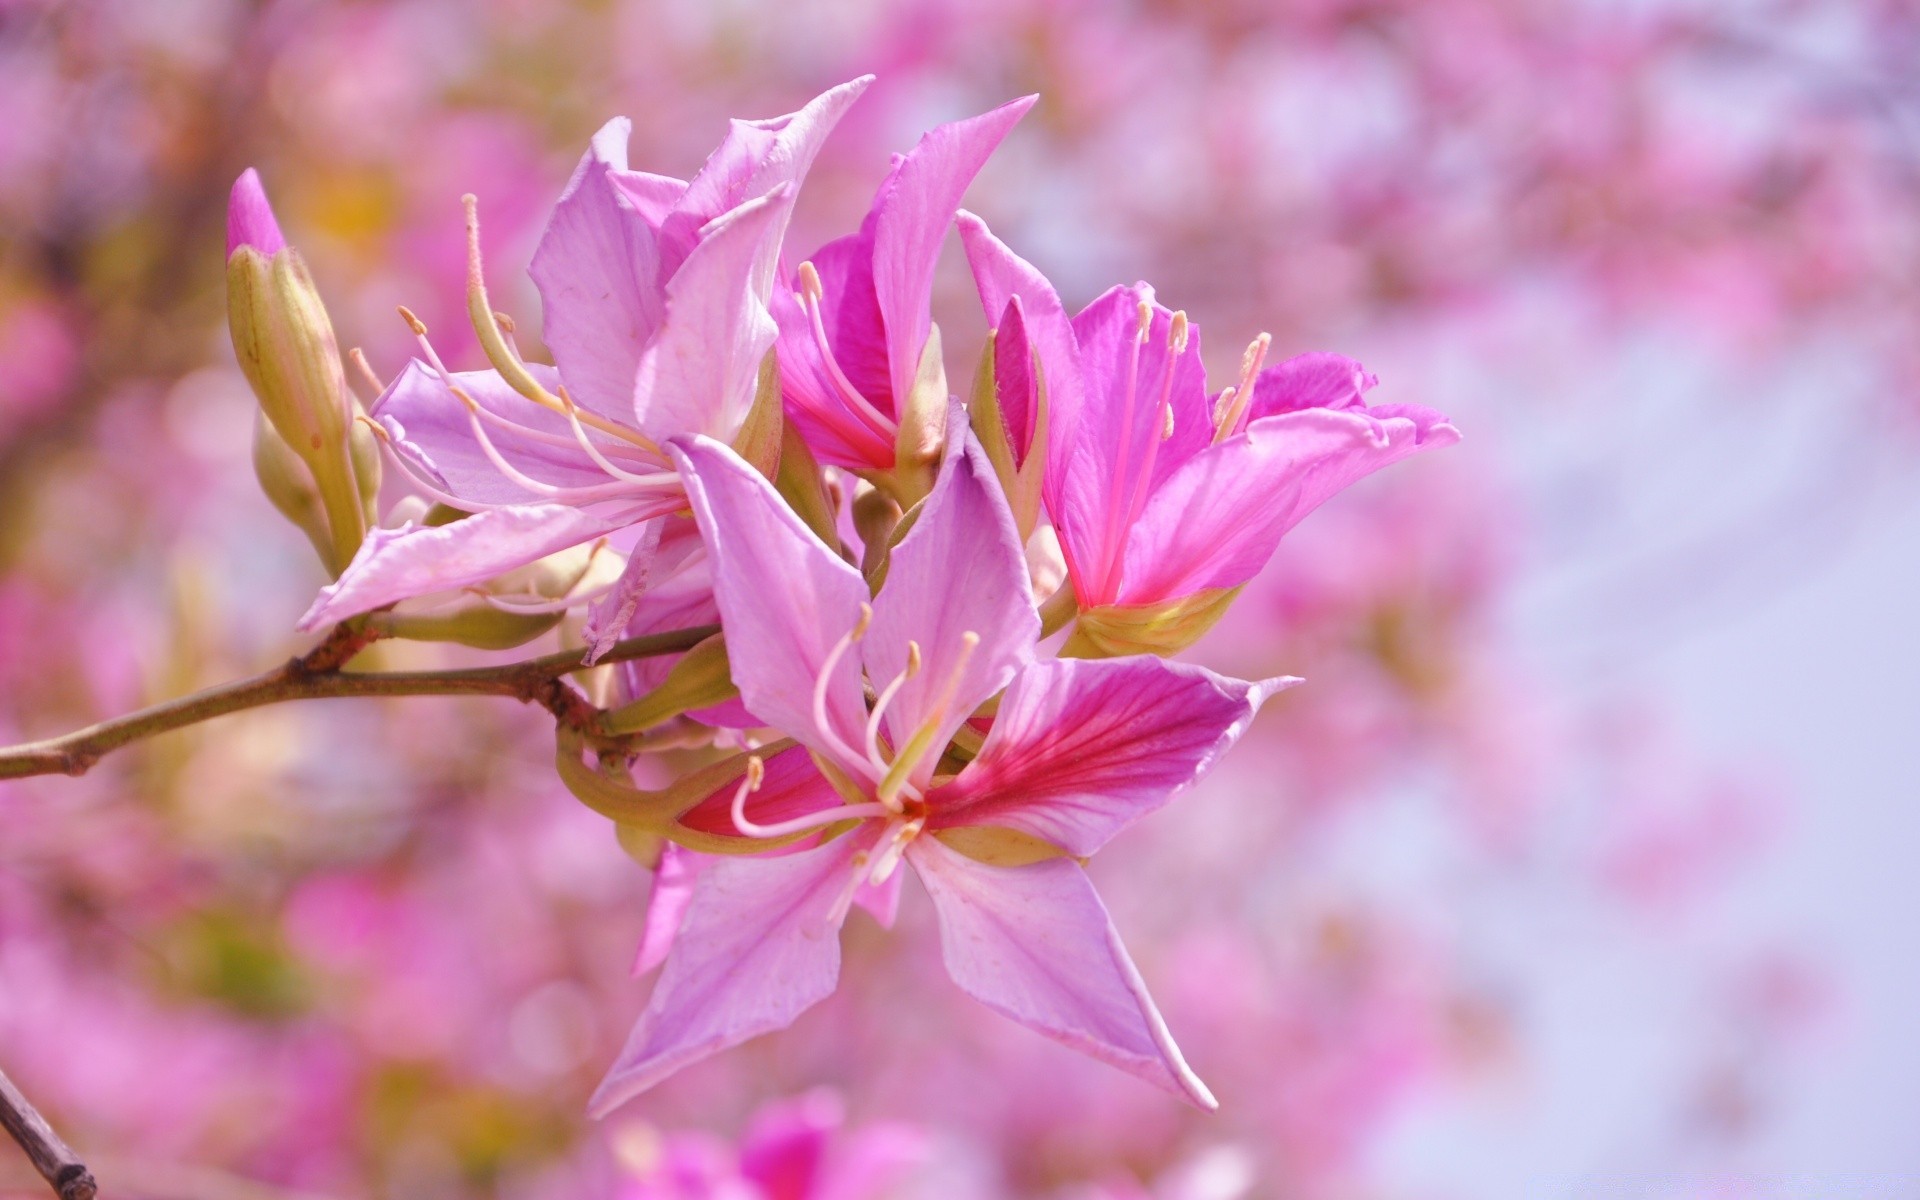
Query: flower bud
[[1168, 627], [923, 425], [701, 679], [289, 485], [1009, 415], [284, 343]]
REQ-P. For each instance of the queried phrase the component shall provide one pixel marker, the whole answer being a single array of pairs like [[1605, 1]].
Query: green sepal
[[1115, 630], [700, 679]]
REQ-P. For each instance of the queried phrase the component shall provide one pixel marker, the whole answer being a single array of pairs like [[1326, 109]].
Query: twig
[[318, 675], [53, 1158]]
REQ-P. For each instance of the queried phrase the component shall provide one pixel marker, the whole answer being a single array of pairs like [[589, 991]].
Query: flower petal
[[759, 946], [915, 205], [1317, 380], [752, 160], [1218, 519], [431, 434], [1034, 943], [850, 318], [398, 564], [782, 593], [667, 904], [959, 570], [1082, 748], [598, 271], [699, 375]]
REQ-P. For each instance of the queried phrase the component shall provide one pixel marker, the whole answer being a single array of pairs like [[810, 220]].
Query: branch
[[53, 1158], [319, 675]]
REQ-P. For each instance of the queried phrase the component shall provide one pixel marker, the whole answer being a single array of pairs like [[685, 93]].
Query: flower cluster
[[944, 624]]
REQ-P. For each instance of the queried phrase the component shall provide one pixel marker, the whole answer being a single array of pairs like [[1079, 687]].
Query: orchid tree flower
[[859, 353], [655, 293], [995, 825], [1165, 499]]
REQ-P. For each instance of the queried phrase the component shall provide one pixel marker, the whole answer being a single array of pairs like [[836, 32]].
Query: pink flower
[[1076, 752], [655, 293], [856, 324], [1158, 490]]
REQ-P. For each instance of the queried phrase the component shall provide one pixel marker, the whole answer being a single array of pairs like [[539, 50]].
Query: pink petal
[[1034, 943], [755, 158], [598, 271], [758, 947], [699, 375], [1097, 457], [959, 570], [792, 787], [915, 205], [1317, 380], [431, 435], [784, 598], [1001, 276], [1219, 518], [667, 904], [850, 317], [1082, 748], [398, 564]]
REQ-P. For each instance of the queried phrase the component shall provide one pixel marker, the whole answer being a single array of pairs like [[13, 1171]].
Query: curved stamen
[[849, 758], [899, 778], [1227, 420], [600, 460], [1143, 482], [565, 495], [810, 295], [895, 848], [1117, 510], [886, 697]]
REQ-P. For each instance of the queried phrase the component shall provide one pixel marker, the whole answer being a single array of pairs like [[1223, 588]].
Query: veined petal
[[598, 271], [915, 205], [699, 375], [760, 944], [431, 434], [782, 593], [1218, 519], [1083, 748], [1034, 943], [959, 570], [398, 564], [792, 787], [1098, 475], [1317, 380], [752, 160]]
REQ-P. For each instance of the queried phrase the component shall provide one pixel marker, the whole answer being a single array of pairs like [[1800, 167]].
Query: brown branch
[[318, 675], [53, 1158]]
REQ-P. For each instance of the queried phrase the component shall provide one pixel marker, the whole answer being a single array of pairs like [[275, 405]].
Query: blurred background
[[1580, 868]]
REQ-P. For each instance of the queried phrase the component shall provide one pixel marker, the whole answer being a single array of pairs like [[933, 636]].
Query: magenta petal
[[667, 905], [760, 945], [915, 205], [1098, 458], [1083, 748], [1034, 943], [791, 787], [598, 271], [785, 598], [1218, 519], [1001, 276], [699, 375], [964, 526], [1317, 380], [250, 220], [398, 564]]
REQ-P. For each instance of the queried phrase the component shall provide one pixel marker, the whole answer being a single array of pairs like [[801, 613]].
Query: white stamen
[[810, 294]]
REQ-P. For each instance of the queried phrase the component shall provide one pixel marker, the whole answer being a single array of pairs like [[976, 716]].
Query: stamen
[[655, 479], [1227, 420], [359, 360], [848, 756], [1121, 500], [886, 697], [898, 836], [1177, 332], [810, 296], [898, 778]]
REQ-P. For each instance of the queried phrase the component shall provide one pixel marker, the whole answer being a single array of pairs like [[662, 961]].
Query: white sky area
[[1737, 551]]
